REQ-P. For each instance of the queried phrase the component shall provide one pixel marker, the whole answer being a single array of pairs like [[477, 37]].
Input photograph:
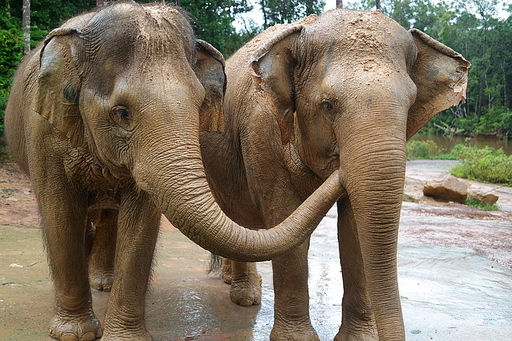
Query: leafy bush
[[11, 50], [422, 150], [478, 203], [484, 165]]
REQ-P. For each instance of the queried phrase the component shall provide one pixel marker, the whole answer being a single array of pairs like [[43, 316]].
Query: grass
[[478, 203], [487, 165], [417, 150], [5, 155], [409, 198]]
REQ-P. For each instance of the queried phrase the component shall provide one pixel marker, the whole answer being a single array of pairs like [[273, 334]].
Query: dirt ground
[[424, 223]]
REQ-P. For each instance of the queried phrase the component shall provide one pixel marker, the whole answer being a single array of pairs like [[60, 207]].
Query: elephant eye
[[121, 117], [327, 104], [121, 111]]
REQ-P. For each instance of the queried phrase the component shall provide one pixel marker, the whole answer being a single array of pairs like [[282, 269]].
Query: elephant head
[[135, 102], [348, 89]]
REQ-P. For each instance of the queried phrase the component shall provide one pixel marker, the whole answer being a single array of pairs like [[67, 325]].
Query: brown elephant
[[341, 91], [104, 116]]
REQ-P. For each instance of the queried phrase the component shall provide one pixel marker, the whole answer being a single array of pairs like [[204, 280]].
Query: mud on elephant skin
[[104, 116], [341, 91]]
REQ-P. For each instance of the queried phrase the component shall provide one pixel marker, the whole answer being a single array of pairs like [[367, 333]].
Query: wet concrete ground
[[449, 293]]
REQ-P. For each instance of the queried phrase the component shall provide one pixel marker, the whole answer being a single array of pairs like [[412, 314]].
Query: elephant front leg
[[245, 282], [358, 320], [138, 226], [291, 308], [64, 234]]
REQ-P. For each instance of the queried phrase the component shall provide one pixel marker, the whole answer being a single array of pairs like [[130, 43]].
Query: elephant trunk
[[176, 180], [373, 164]]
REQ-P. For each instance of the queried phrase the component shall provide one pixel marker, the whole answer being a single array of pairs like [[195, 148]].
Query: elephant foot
[[366, 332], [128, 336], [293, 331], [101, 281], [246, 291], [346, 336], [86, 328]]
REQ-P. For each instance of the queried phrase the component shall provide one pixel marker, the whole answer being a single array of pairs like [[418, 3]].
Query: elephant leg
[[63, 210], [227, 270], [245, 284], [291, 307], [358, 320], [101, 257], [138, 226]]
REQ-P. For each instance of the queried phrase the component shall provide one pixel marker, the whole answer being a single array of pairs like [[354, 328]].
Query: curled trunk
[[178, 185]]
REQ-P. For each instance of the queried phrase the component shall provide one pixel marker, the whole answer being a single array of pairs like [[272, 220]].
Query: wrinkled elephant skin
[[341, 91], [104, 116]]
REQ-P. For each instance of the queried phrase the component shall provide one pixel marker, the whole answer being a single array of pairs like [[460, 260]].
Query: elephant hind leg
[[227, 270], [103, 235], [245, 282]]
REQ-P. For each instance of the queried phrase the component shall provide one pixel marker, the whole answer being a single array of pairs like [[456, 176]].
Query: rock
[[447, 189], [488, 198]]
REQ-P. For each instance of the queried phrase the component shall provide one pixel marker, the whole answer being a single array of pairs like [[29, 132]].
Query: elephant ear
[[441, 77], [210, 71], [59, 84], [273, 64]]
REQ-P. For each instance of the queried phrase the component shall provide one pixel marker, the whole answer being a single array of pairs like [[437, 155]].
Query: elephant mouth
[[330, 164], [103, 201]]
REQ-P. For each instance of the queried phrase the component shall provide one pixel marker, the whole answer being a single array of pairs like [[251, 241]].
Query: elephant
[[342, 91], [104, 117]]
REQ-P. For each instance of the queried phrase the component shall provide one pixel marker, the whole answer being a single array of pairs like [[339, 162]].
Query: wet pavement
[[449, 291]]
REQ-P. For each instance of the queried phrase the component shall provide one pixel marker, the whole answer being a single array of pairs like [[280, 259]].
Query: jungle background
[[481, 30]]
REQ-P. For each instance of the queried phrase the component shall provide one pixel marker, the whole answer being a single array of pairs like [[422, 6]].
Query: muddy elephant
[[104, 116], [341, 91]]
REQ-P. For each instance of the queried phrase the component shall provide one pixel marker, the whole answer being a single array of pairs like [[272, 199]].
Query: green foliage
[[214, 19], [11, 50], [478, 203], [281, 12], [409, 198], [422, 150], [5, 155], [484, 165]]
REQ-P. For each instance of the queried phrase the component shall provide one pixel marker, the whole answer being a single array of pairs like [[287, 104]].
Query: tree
[[213, 21], [26, 26], [11, 42], [280, 12]]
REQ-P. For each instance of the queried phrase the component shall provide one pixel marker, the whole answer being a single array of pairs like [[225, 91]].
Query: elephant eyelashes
[[329, 111], [327, 104], [120, 114], [120, 111]]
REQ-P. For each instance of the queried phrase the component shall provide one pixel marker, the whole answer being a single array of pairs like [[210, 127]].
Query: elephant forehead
[[357, 31], [127, 27]]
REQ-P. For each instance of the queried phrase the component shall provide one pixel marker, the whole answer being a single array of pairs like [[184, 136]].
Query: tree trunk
[[26, 26], [339, 3], [100, 3], [377, 4]]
